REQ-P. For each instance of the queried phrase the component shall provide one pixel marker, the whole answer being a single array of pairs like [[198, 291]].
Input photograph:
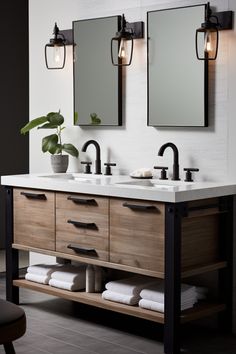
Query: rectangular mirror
[[97, 83], [177, 80]]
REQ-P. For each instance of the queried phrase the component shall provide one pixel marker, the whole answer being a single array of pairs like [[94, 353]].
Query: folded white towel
[[155, 292], [129, 286], [122, 298], [70, 273], [43, 279], [157, 306], [72, 286], [43, 269]]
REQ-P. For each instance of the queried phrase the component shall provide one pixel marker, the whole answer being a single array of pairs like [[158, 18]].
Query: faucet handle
[[87, 166], [163, 171], [108, 168], [188, 177]]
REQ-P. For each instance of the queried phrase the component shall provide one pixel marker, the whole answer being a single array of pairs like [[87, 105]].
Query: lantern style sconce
[[207, 36], [122, 44], [55, 50]]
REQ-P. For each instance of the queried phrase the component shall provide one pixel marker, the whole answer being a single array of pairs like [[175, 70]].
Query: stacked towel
[[69, 278], [41, 273], [152, 297], [126, 291]]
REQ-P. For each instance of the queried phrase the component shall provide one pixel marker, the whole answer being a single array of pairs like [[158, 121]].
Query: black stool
[[12, 324]]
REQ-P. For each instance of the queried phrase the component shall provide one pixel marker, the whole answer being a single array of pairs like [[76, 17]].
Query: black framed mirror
[[97, 83], [177, 81]]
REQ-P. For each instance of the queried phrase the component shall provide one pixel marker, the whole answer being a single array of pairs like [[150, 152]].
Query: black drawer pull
[[83, 225], [40, 196], [82, 250], [82, 201], [139, 207]]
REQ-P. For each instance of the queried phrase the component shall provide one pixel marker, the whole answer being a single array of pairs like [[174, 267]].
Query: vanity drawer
[[34, 218], [82, 224], [137, 233]]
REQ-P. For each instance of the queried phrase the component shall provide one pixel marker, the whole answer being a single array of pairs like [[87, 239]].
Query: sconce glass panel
[[122, 51], [97, 83], [55, 56], [207, 44]]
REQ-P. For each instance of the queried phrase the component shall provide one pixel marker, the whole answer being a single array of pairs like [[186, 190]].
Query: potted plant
[[53, 143]]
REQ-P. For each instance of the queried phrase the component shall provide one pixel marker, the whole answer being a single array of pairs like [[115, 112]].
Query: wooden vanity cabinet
[[172, 241], [82, 225], [34, 218]]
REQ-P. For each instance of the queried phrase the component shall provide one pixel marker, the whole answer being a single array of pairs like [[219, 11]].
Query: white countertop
[[115, 186]]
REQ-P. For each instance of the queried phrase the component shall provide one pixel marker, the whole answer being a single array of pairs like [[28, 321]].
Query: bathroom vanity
[[165, 229]]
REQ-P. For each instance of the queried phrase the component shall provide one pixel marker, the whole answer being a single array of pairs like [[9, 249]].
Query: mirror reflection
[[97, 83], [177, 81]]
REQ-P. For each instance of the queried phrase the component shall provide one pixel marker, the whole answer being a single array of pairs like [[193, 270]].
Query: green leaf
[[55, 118], [57, 149], [49, 142], [33, 123], [95, 120], [76, 118], [48, 126], [70, 149]]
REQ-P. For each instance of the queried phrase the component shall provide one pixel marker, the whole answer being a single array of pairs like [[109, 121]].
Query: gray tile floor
[[58, 326]]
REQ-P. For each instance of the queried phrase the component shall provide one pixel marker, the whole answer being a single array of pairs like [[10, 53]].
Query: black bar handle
[[40, 196], [82, 250], [139, 207], [83, 225], [82, 201]]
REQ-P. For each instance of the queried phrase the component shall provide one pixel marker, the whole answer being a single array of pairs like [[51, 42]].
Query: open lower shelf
[[186, 272], [94, 299]]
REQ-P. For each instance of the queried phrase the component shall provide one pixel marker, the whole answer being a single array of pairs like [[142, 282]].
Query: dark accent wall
[[14, 93]]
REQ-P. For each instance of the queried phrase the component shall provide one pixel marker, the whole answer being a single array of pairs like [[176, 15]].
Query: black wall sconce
[[122, 44], [55, 50], [207, 36]]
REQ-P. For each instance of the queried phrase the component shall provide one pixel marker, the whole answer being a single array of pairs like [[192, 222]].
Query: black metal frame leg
[[173, 218], [12, 255]]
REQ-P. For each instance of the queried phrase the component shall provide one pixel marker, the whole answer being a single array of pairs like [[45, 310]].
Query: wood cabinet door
[[82, 225], [34, 218], [137, 233]]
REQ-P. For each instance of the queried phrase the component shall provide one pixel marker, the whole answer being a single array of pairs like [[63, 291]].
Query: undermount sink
[[164, 185], [79, 177]]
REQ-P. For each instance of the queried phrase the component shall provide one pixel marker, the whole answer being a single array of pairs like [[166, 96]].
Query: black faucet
[[176, 159], [98, 155]]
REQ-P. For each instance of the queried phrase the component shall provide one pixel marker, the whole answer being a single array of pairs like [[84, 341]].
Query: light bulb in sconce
[[208, 42], [57, 54], [121, 53]]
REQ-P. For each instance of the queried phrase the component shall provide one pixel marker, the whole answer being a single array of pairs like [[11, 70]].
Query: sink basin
[[74, 177], [59, 176], [163, 185]]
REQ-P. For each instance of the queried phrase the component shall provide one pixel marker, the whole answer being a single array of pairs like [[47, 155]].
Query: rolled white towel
[[155, 292], [122, 298], [159, 307], [129, 286], [43, 279], [142, 172], [43, 269], [71, 286], [70, 273]]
